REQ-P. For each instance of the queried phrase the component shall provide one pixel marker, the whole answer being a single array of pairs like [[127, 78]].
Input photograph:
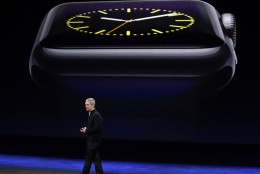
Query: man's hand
[[83, 129]]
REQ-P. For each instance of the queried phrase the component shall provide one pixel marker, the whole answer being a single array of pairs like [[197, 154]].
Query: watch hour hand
[[113, 19], [153, 17]]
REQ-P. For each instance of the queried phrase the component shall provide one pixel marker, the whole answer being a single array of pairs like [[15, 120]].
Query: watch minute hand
[[157, 16], [113, 19]]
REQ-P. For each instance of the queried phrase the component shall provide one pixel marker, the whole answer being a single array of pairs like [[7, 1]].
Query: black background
[[229, 118]]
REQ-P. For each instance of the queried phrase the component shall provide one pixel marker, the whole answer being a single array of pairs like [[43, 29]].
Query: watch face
[[180, 24], [133, 22]]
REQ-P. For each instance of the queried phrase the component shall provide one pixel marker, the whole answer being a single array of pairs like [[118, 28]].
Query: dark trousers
[[92, 156]]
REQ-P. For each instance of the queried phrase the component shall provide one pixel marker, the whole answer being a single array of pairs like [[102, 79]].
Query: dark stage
[[39, 131], [45, 155], [42, 165]]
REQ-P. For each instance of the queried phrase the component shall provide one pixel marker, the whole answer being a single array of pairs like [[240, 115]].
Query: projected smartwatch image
[[136, 55], [140, 39]]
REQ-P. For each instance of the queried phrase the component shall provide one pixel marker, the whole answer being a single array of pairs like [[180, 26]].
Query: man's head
[[90, 104]]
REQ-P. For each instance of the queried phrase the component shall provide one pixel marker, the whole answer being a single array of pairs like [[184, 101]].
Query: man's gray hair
[[91, 101]]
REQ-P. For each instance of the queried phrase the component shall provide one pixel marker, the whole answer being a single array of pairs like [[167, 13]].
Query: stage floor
[[13, 164]]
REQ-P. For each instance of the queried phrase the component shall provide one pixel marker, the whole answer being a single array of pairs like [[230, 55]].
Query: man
[[93, 132]]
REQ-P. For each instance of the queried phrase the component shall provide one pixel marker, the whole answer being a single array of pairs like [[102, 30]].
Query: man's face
[[89, 107]]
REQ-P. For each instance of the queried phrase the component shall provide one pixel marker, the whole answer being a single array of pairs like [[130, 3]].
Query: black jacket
[[94, 127]]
